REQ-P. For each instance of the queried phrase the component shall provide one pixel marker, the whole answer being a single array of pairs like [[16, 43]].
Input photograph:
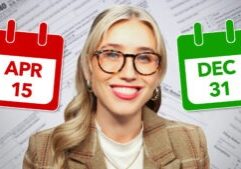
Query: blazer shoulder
[[188, 141], [185, 132], [43, 134], [175, 125], [42, 140], [39, 150]]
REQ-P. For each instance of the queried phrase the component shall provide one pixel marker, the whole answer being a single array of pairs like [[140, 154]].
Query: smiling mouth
[[126, 92]]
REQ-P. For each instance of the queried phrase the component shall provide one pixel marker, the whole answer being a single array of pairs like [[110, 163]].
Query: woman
[[108, 124]]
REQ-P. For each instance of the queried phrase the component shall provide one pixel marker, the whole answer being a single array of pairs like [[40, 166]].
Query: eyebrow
[[146, 49], [118, 46], [114, 45]]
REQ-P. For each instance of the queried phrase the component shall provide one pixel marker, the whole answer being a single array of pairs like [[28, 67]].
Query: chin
[[121, 109]]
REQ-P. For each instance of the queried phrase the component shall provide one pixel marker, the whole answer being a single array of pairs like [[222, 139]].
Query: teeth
[[125, 90]]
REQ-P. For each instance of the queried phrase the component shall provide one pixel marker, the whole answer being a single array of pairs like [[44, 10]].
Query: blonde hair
[[78, 112]]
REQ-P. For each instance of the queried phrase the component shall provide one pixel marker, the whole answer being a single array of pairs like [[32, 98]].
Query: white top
[[121, 155]]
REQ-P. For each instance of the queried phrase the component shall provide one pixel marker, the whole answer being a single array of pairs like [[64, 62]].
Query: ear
[[88, 70], [159, 80]]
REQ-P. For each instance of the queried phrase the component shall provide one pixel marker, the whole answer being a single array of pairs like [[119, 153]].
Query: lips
[[126, 92]]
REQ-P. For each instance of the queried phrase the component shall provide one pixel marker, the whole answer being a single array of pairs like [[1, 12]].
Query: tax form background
[[72, 20]]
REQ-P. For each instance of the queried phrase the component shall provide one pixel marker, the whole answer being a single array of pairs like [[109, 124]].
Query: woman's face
[[125, 92]]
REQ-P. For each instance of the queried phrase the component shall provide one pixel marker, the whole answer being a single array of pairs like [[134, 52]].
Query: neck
[[117, 127]]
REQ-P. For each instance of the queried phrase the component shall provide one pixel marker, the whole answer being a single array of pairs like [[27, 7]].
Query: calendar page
[[213, 79], [210, 68], [29, 80], [30, 70]]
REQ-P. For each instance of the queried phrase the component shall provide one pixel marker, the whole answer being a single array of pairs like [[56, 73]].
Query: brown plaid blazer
[[167, 145]]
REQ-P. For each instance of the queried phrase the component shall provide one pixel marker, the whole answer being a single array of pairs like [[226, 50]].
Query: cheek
[[152, 81], [98, 77]]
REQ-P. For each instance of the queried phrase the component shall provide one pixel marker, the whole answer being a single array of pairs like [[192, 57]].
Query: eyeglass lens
[[113, 61]]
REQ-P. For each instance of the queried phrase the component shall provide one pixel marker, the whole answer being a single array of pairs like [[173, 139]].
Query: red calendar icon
[[30, 68]]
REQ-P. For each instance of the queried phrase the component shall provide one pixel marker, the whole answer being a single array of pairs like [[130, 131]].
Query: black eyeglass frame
[[133, 56]]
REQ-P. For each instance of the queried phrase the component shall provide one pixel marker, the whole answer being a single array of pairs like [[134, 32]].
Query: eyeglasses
[[112, 61]]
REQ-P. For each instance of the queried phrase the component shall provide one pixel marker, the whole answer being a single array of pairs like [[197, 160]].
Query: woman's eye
[[144, 58], [112, 55]]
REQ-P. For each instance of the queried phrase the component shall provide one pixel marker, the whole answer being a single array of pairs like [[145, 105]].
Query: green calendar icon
[[210, 68]]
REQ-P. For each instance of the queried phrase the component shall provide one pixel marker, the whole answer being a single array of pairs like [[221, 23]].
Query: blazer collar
[[158, 151]]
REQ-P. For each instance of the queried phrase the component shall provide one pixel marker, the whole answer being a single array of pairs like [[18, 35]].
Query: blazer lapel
[[89, 152], [159, 152]]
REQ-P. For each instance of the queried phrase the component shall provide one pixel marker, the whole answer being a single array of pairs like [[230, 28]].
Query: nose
[[128, 72]]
